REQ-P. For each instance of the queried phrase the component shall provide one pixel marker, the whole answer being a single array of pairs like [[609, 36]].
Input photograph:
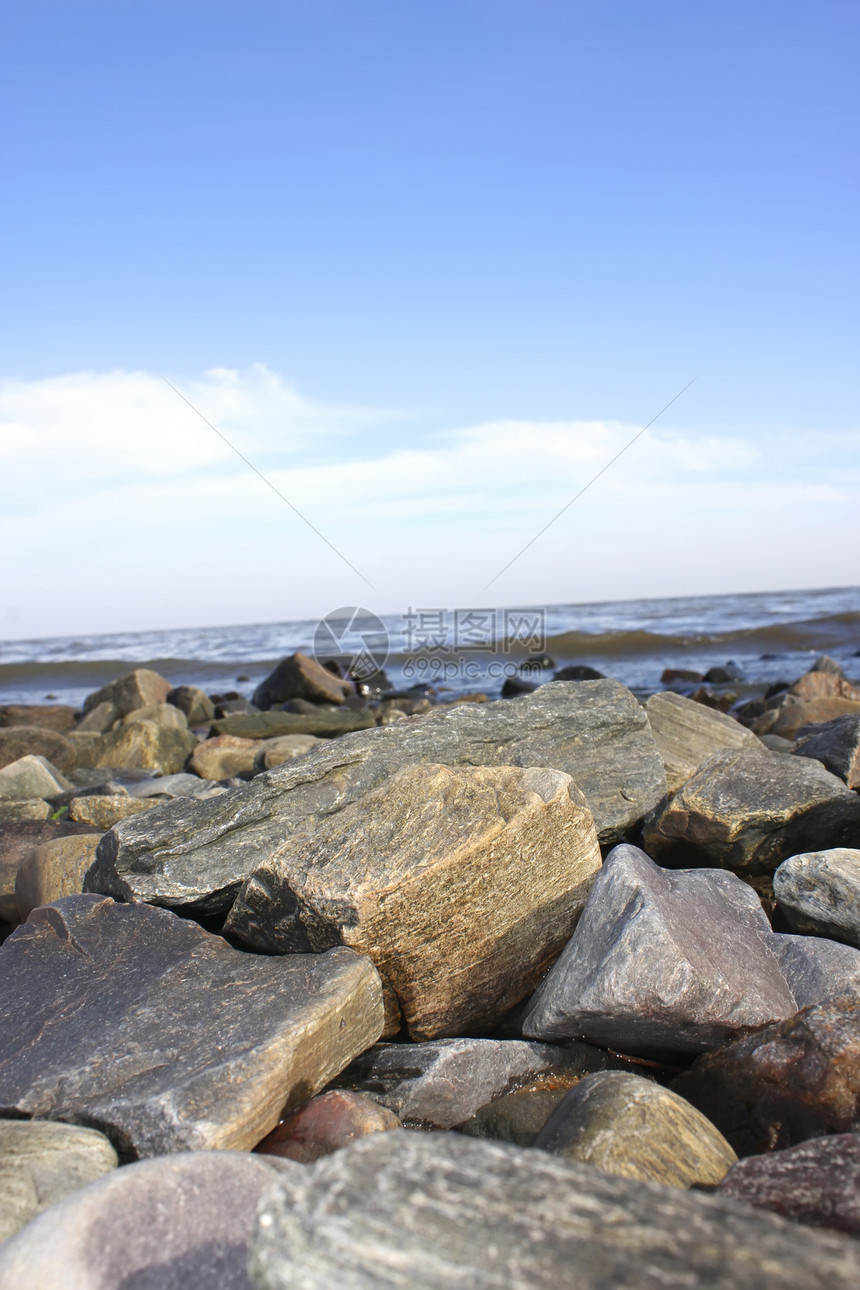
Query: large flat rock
[[198, 853], [131, 1019]]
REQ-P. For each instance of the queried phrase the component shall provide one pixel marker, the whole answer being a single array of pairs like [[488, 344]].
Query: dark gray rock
[[194, 702], [662, 963], [301, 677], [197, 854], [578, 672], [817, 969], [162, 1035], [836, 744], [463, 1213], [817, 1182], [40, 1163], [819, 892]]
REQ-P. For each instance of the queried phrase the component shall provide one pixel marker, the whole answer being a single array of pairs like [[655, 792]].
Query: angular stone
[[195, 703], [54, 870], [785, 1082], [223, 757], [461, 883], [326, 1123], [819, 892], [836, 744], [750, 809], [817, 969], [182, 784], [99, 719], [197, 855], [178, 1223], [816, 1182], [629, 1126], [40, 1163], [163, 714], [31, 776], [20, 741], [274, 752], [52, 716], [301, 677], [134, 690], [439, 1085], [662, 963], [325, 723], [17, 841], [820, 684], [13, 810], [687, 733], [165, 1036], [463, 1213], [794, 713], [144, 745], [104, 811]]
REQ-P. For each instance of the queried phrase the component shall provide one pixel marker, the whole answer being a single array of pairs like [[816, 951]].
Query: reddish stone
[[817, 1182], [327, 1123]]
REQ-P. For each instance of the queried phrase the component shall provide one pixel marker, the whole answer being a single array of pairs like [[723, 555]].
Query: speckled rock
[[819, 892], [40, 1163], [816, 1182]]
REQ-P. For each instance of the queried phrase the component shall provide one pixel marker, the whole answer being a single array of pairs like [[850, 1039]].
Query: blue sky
[[428, 266]]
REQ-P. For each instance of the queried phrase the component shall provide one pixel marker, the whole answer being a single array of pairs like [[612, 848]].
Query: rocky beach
[[332, 980]]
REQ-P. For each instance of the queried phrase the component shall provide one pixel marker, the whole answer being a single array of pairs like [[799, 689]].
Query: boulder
[[146, 746], [40, 1163], [461, 883], [327, 1123], [520, 1115], [747, 810], [223, 757], [817, 969], [99, 719], [836, 744], [198, 854], [578, 672], [629, 1126], [821, 684], [163, 714], [662, 963], [301, 677], [274, 752], [165, 1036], [20, 741], [13, 810], [17, 842], [136, 689], [53, 716], [103, 811], [794, 713], [687, 733], [194, 702], [819, 892], [816, 1182], [54, 870], [325, 723], [460, 1212], [31, 776]]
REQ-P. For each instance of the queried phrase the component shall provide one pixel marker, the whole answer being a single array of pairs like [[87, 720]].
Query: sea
[[768, 636]]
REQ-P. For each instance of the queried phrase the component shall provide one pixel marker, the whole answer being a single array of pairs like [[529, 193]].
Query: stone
[[177, 1223], [794, 713], [824, 663], [103, 717], [687, 733], [56, 716], [274, 752], [728, 675], [104, 811], [15, 809], [819, 892], [441, 1084], [579, 672], [432, 1211], [514, 686], [747, 810], [670, 675], [520, 1115], [31, 776], [40, 1163], [461, 883], [836, 744], [18, 840], [785, 1082], [163, 714], [182, 784], [20, 741], [136, 689], [816, 1182], [301, 677], [146, 746], [196, 855], [87, 744], [163, 1034], [194, 702], [821, 684], [817, 969], [326, 1123], [223, 757], [325, 723], [54, 870], [662, 963]]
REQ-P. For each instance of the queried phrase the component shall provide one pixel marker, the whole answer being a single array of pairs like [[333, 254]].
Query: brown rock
[[99, 719], [104, 811], [795, 713], [54, 870], [163, 714], [824, 685], [816, 1182], [15, 809], [17, 842], [134, 690], [325, 1124], [144, 746], [301, 677], [325, 723], [520, 1115], [195, 703], [274, 752], [57, 716], [223, 757], [21, 741], [687, 733]]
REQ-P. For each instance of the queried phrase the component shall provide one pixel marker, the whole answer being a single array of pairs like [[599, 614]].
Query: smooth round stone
[[327, 1123]]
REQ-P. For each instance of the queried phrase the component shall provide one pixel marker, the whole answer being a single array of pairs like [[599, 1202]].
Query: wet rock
[[441, 1084], [177, 1223], [99, 719], [629, 1126], [817, 969], [519, 1116], [57, 716], [223, 757], [301, 677], [31, 776], [17, 842], [163, 714], [687, 733], [819, 892], [326, 1123], [325, 723], [104, 811], [136, 689], [144, 745], [482, 1214], [461, 883], [579, 672], [274, 752], [816, 1182], [54, 870], [747, 810], [794, 713], [836, 744], [20, 741], [195, 703], [671, 675], [41, 1163], [662, 963], [783, 1083], [596, 731], [165, 1036], [15, 809]]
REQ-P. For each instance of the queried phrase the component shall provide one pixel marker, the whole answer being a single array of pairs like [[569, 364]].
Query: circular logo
[[354, 638]]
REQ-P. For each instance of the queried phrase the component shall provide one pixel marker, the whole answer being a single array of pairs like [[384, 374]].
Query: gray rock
[[13, 810], [99, 719], [662, 963], [182, 784], [817, 969], [136, 689], [40, 1163], [177, 1223], [687, 733], [301, 677], [836, 744], [195, 703], [199, 854], [816, 1182], [29, 777], [819, 891], [460, 1212], [163, 1035]]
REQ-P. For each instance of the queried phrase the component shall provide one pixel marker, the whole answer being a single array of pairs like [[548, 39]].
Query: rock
[[58, 716], [817, 969], [816, 1182], [441, 1084], [820, 684], [326, 1123], [182, 784], [629, 1126], [670, 675], [836, 744], [136, 689], [819, 892], [687, 733], [595, 731], [579, 672], [54, 870], [41, 1163], [776, 743], [460, 1212], [146, 746], [15, 809], [223, 757], [515, 685], [827, 664], [662, 963], [17, 841], [728, 675], [99, 719], [31, 776], [461, 883], [87, 744], [177, 1223], [195, 703], [163, 714], [165, 1036], [274, 752], [747, 810], [520, 1115], [103, 812], [21, 741], [236, 707], [322, 722], [794, 713], [785, 1082], [301, 677]]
